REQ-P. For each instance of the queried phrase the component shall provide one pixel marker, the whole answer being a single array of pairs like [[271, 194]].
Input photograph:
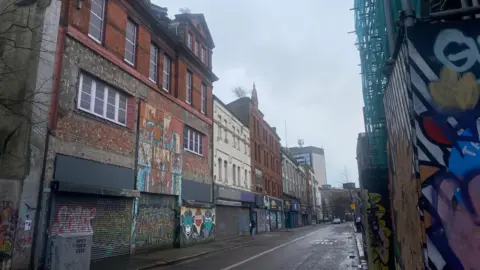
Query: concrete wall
[[231, 144], [27, 66]]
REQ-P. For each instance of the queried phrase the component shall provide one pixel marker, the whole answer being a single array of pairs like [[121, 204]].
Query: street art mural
[[379, 232], [159, 154], [198, 224], [445, 73], [155, 221]]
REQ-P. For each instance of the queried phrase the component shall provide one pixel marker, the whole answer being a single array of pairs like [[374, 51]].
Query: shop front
[[292, 208], [233, 210], [275, 212], [95, 198], [260, 214]]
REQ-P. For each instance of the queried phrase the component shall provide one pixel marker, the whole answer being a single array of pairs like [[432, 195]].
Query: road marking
[[270, 250]]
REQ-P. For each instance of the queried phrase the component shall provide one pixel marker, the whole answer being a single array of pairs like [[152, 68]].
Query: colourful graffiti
[[198, 224], [155, 221], [108, 220], [444, 75], [73, 219], [8, 219], [380, 233], [159, 154]]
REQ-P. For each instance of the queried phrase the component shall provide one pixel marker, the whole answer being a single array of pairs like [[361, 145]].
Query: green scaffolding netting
[[373, 45]]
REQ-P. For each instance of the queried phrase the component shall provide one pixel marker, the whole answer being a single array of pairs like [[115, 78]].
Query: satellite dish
[[300, 142]]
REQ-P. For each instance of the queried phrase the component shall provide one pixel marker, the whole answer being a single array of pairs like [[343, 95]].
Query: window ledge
[[193, 152]]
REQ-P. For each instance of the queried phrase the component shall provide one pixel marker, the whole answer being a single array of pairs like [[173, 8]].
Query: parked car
[[336, 221]]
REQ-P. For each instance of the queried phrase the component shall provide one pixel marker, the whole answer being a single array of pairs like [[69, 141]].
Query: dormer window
[[190, 41], [204, 55]]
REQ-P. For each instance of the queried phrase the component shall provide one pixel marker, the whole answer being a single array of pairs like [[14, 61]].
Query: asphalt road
[[327, 247]]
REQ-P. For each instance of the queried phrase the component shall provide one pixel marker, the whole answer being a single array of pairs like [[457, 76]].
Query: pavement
[[172, 256], [326, 247], [361, 254]]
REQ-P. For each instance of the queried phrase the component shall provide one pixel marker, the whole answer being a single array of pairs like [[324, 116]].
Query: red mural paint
[[433, 131]]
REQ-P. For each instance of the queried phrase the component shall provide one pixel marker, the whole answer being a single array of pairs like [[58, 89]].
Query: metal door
[[226, 222], [108, 218], [279, 220], [273, 220], [261, 220], [155, 220], [244, 221]]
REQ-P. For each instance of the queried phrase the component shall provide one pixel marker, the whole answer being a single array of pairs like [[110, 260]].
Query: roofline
[[233, 114]]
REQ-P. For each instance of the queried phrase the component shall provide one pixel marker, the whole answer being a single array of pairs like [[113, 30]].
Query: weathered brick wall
[[82, 134], [404, 186]]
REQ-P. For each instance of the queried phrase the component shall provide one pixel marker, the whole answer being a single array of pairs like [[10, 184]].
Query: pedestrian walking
[[358, 224], [252, 227]]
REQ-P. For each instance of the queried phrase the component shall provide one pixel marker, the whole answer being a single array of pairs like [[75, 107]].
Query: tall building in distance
[[315, 158]]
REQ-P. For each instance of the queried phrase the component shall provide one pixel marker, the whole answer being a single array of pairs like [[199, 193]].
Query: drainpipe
[[407, 9]]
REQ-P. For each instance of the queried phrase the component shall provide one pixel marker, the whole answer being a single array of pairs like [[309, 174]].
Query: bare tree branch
[[239, 92]]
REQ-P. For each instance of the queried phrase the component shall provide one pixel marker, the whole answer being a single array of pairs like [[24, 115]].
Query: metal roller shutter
[[109, 218], [280, 219], [244, 221], [273, 220], [226, 222], [154, 225]]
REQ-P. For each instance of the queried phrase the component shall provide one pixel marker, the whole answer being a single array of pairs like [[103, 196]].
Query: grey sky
[[304, 65]]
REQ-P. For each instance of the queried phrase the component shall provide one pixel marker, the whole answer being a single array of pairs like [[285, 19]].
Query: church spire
[[254, 96]]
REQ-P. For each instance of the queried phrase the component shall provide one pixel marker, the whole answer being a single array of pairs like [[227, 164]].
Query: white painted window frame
[[102, 19], [91, 110]]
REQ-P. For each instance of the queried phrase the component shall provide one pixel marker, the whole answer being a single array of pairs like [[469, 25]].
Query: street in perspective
[[221, 134], [328, 247]]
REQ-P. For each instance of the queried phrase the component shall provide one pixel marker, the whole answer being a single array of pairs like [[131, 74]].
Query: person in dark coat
[[253, 225]]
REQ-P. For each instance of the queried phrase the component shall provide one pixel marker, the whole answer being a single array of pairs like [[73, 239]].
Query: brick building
[[265, 162], [264, 146], [131, 122]]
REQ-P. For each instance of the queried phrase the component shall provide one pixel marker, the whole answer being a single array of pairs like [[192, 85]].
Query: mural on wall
[[445, 73], [379, 232], [155, 220], [160, 152], [198, 224]]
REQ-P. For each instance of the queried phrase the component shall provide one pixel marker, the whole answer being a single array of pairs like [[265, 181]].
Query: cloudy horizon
[[304, 65]]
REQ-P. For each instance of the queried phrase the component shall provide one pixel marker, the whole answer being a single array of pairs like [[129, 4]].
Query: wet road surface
[[326, 247]]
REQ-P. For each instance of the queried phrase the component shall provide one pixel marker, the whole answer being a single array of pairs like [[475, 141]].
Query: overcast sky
[[304, 65]]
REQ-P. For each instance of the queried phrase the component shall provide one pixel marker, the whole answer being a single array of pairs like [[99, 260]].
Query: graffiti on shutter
[[108, 218], [155, 220]]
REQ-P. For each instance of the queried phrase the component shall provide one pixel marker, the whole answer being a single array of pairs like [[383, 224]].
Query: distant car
[[336, 221]]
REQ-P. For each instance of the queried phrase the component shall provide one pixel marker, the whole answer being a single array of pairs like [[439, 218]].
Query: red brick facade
[[266, 153], [73, 125]]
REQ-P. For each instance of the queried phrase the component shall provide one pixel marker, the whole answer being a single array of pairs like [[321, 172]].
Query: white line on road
[[270, 250]]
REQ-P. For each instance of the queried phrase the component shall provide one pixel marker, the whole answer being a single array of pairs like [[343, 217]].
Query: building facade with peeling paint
[[126, 154]]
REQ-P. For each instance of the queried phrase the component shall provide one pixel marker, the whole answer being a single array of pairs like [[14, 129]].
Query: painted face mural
[[188, 224], [198, 223], [208, 225], [445, 75]]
